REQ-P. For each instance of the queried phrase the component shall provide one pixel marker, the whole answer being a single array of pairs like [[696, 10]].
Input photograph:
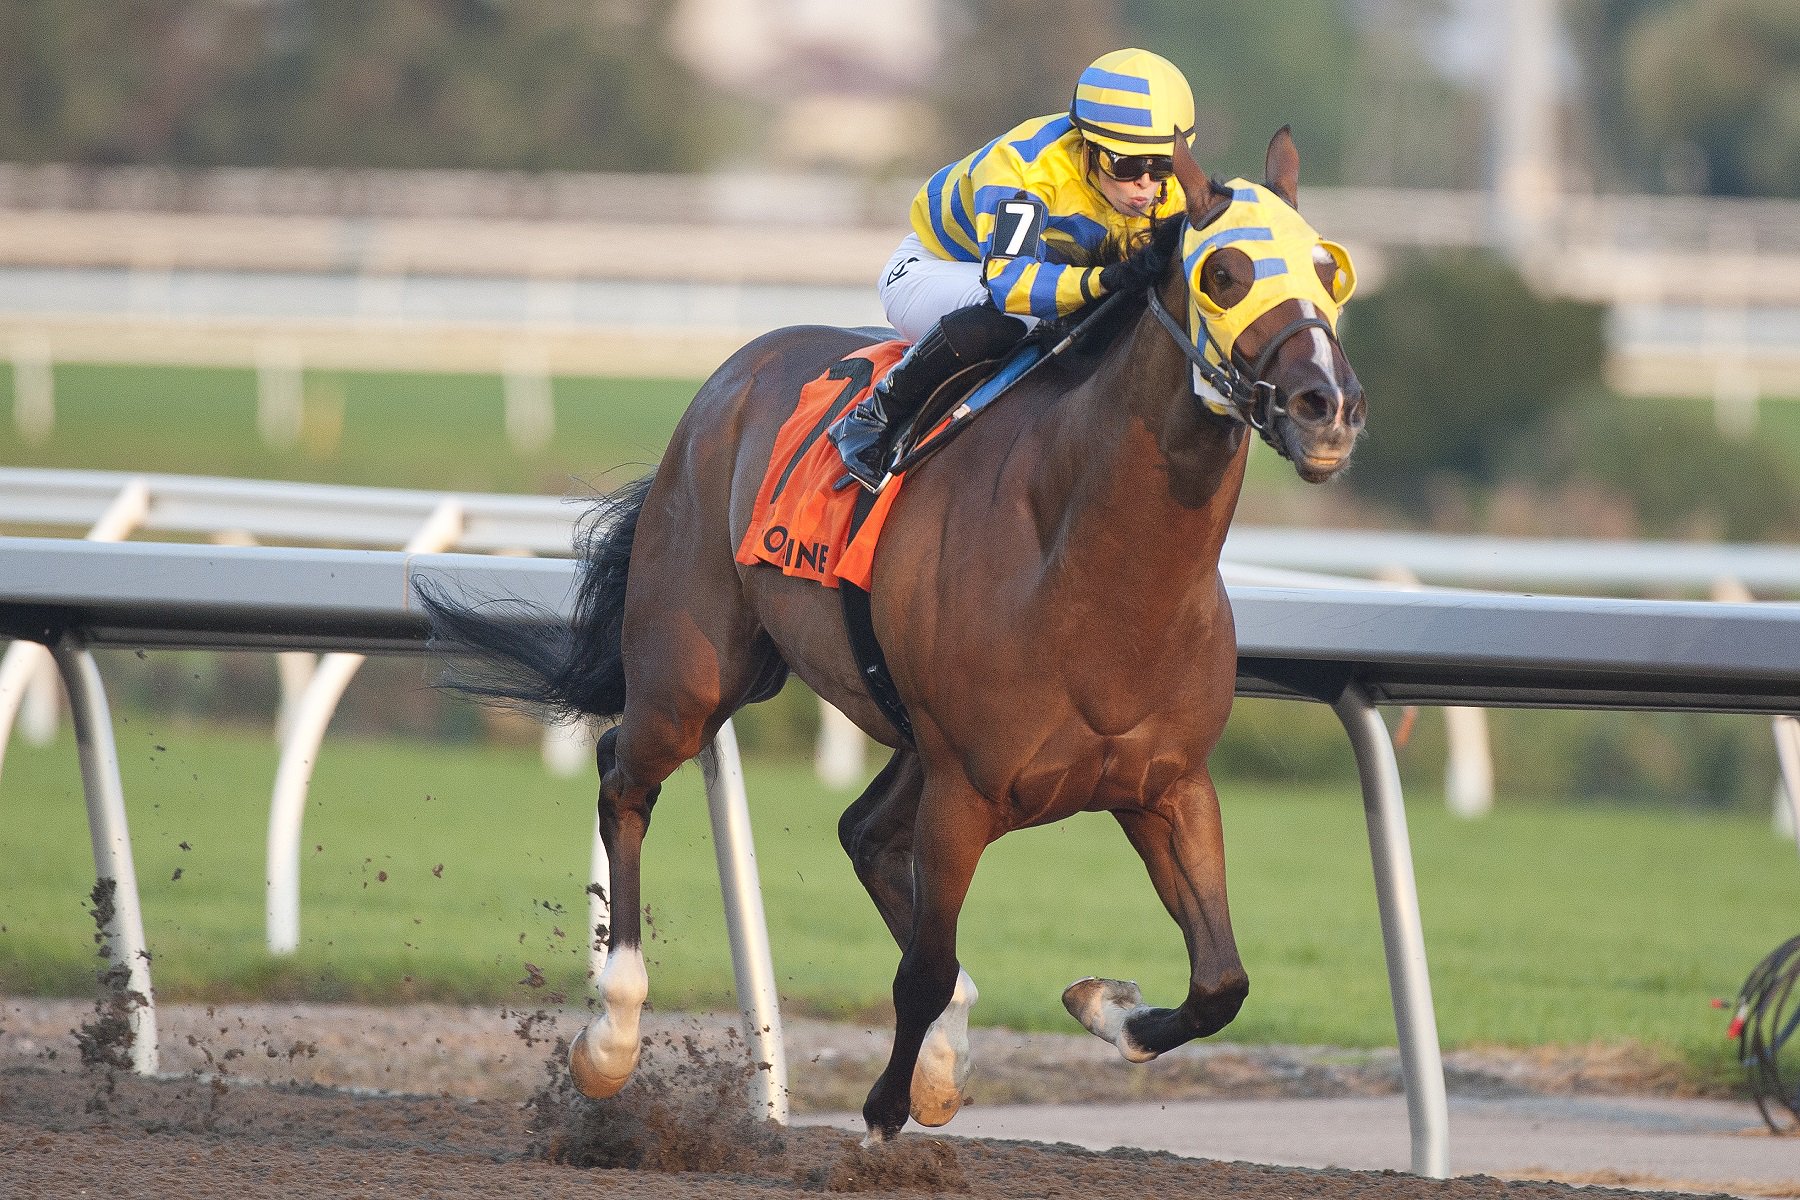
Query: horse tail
[[517, 654]]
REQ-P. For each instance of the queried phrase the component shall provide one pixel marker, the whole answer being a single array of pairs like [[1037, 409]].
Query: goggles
[[1132, 167]]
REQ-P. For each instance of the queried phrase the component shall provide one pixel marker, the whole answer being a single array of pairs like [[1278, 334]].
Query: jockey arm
[[1013, 263]]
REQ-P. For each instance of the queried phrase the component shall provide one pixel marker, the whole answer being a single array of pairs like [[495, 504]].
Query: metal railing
[[1352, 648]]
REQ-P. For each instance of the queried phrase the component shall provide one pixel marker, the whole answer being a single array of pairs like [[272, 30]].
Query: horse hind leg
[[604, 1054], [1180, 841], [664, 725], [877, 833]]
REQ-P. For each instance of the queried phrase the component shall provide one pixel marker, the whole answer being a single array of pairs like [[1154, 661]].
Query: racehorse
[[1047, 593]]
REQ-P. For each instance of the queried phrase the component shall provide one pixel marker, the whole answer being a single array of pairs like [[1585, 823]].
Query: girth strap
[[859, 623]]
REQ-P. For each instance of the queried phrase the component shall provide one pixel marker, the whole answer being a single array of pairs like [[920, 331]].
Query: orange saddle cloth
[[800, 524]]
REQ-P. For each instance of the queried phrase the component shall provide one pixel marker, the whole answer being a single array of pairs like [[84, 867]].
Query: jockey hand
[[1147, 265]]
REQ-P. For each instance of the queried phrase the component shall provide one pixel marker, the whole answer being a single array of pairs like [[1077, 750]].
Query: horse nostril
[[1313, 407], [1357, 411]]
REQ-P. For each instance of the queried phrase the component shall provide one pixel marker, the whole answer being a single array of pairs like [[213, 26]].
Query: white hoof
[[603, 1056], [872, 1139], [597, 1066], [1103, 1006], [943, 1065]]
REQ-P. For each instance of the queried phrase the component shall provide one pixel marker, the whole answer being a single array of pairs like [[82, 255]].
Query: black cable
[[1768, 1013]]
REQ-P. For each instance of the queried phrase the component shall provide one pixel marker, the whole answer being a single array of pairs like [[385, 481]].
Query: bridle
[[1254, 401]]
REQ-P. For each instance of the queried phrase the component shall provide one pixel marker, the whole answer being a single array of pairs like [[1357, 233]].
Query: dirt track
[[679, 1130]]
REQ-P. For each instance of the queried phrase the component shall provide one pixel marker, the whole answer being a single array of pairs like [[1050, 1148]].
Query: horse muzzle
[[1319, 426]]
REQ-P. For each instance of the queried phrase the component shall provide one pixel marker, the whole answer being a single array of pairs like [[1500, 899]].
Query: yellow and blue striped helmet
[[1133, 102]]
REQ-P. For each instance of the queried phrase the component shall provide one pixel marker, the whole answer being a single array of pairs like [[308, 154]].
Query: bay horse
[[1048, 596]]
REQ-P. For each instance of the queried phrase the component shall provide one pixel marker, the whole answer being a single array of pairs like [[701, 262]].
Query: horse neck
[[1134, 462]]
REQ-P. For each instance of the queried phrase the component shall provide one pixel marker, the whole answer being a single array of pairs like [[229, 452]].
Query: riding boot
[[865, 434]]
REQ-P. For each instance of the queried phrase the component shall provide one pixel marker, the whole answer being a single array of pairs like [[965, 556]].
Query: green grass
[[441, 432], [1544, 924], [444, 432]]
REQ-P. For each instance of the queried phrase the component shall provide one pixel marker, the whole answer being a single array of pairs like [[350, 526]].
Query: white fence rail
[[1353, 648]]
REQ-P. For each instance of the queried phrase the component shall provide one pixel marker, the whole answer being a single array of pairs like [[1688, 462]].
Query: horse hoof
[[873, 1139], [1103, 1006], [592, 1079], [932, 1111], [943, 1065]]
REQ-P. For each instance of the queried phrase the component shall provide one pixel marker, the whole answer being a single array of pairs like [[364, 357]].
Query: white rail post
[[530, 412], [1787, 794], [280, 393], [111, 839], [293, 668], [1468, 750], [311, 715], [1786, 815], [749, 929], [841, 755], [25, 660], [1402, 933], [567, 747], [34, 390]]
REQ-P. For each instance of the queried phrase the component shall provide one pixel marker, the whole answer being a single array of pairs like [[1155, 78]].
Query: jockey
[[1011, 236]]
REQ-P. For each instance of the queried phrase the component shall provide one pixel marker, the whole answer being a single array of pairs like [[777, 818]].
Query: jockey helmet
[[1133, 102]]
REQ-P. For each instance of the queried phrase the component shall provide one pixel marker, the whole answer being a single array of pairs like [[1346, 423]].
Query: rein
[[1254, 402]]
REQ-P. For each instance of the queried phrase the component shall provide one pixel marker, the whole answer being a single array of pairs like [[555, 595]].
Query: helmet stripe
[[1089, 110], [1096, 77]]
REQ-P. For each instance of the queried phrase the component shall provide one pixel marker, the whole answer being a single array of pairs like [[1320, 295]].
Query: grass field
[[390, 430], [440, 873]]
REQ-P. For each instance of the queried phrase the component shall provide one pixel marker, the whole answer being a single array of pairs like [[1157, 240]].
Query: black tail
[[516, 653]]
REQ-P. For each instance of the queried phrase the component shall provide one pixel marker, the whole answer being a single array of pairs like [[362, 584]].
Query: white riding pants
[[918, 287]]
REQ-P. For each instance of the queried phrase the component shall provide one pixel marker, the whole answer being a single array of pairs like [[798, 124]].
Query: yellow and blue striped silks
[[953, 215]]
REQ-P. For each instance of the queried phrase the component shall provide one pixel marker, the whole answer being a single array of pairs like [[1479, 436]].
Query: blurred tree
[[554, 84], [1006, 61], [1720, 77], [1255, 68], [1680, 475], [1693, 95], [1461, 360], [1613, 139]]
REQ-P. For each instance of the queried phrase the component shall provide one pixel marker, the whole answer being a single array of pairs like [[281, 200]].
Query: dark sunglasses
[[1130, 168]]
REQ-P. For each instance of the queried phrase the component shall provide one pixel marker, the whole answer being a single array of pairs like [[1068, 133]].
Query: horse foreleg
[[1180, 840], [604, 1054], [877, 833], [952, 828]]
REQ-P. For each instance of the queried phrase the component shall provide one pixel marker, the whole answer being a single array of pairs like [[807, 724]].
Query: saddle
[[807, 526]]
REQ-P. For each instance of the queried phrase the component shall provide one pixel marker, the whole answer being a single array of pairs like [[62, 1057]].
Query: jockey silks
[[954, 216]]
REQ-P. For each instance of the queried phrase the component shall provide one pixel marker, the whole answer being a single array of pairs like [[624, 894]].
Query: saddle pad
[[800, 524]]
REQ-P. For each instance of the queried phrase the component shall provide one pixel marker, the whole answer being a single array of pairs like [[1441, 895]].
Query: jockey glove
[[1146, 266]]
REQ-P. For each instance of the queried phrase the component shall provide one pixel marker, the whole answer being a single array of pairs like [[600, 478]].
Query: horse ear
[[1194, 183], [1281, 166]]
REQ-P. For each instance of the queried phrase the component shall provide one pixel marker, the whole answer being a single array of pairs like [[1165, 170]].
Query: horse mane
[[1165, 235], [1110, 320]]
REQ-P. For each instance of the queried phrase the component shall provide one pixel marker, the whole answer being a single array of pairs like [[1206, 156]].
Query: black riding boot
[[865, 434]]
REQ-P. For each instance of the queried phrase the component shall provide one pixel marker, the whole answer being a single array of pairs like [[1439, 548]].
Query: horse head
[[1264, 293]]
